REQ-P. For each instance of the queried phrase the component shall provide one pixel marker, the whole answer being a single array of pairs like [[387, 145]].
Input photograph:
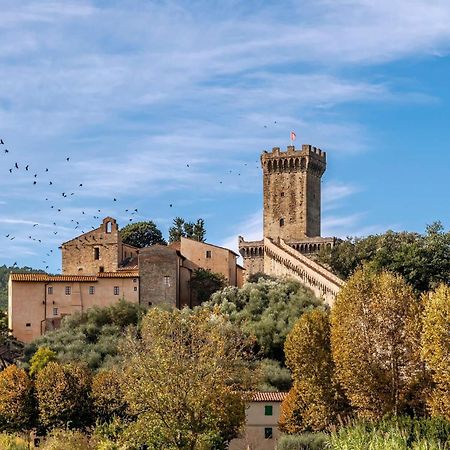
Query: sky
[[166, 107]]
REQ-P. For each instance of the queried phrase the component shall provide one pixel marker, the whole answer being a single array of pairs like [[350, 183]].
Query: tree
[[267, 310], [63, 394], [191, 230], [107, 398], [436, 348], [315, 400], [91, 337], [40, 359], [184, 380], [423, 260], [204, 283], [142, 234], [375, 339], [17, 405]]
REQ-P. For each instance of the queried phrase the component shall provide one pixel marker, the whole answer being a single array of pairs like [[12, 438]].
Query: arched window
[[281, 222], [108, 227]]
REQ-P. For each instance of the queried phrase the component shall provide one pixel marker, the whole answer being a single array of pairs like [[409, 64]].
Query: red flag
[[293, 136]]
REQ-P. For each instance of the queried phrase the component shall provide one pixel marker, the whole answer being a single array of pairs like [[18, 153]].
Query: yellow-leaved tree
[[315, 400], [436, 348], [184, 380], [63, 394], [17, 405], [375, 338]]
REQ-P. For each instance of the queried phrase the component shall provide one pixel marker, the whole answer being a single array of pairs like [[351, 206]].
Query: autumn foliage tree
[[436, 348], [63, 394], [17, 405], [375, 339], [183, 380], [315, 399], [106, 395]]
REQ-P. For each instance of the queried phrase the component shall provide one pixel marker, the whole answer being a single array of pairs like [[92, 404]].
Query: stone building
[[292, 220], [99, 269]]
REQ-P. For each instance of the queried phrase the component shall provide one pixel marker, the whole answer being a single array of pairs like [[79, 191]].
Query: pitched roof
[[268, 396], [43, 277]]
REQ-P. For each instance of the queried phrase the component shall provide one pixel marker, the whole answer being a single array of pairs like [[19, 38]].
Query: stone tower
[[292, 194]]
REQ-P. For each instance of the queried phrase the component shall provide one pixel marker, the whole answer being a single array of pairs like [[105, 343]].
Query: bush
[[305, 441], [91, 337], [402, 433], [68, 440], [12, 442]]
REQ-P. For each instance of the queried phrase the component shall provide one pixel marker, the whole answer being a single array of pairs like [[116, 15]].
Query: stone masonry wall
[[158, 274], [79, 254]]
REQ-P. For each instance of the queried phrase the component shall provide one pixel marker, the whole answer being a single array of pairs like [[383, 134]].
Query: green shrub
[[304, 441], [403, 433]]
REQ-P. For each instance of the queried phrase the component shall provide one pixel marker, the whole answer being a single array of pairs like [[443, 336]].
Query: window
[[55, 311], [108, 227], [167, 280], [101, 269], [28, 325], [150, 303], [50, 290], [208, 253], [281, 222], [134, 280], [68, 290], [116, 290], [91, 290], [282, 194], [268, 433], [268, 410], [96, 253], [135, 288]]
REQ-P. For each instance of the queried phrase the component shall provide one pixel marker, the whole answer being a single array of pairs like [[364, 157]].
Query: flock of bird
[[78, 223]]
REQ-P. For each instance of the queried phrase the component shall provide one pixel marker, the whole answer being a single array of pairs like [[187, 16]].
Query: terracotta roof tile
[[43, 277], [269, 396]]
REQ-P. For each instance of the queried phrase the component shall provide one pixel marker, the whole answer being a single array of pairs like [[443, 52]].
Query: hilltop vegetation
[[423, 260]]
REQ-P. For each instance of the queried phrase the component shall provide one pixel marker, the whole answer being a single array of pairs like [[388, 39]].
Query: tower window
[[116, 290], [68, 290], [281, 222], [96, 253], [108, 227], [208, 253]]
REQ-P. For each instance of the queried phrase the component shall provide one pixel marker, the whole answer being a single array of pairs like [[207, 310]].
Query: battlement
[[309, 158], [292, 152]]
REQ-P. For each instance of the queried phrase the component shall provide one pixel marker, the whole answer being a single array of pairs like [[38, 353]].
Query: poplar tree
[[375, 337], [436, 348], [314, 400]]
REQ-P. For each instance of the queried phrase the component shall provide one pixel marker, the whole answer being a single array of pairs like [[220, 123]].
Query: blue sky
[[135, 91]]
